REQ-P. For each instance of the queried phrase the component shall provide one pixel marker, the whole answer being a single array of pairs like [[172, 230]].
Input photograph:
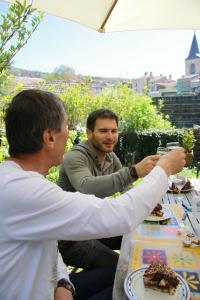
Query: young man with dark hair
[[34, 212]]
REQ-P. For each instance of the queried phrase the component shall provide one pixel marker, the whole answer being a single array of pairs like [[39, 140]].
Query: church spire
[[194, 50]]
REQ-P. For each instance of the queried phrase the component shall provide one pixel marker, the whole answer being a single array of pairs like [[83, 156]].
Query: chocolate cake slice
[[174, 188], [157, 211], [161, 277], [187, 186]]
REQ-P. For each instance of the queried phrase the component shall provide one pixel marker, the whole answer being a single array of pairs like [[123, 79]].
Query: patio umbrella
[[120, 15]]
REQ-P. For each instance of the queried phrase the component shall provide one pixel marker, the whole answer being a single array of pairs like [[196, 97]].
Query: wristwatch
[[65, 284], [133, 172]]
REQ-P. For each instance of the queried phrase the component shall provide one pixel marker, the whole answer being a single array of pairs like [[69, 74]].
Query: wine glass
[[179, 180], [161, 151], [172, 145]]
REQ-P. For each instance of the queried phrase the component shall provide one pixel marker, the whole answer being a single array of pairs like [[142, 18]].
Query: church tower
[[192, 62]]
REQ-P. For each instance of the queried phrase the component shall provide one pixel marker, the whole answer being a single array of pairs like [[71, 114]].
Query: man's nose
[[110, 134]]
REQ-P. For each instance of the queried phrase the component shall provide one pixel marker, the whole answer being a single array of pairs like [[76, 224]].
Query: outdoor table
[[162, 241]]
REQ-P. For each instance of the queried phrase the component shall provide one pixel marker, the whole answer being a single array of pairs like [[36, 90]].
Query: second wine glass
[[179, 180]]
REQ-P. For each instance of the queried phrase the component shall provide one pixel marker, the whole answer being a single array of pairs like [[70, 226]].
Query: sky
[[120, 54]]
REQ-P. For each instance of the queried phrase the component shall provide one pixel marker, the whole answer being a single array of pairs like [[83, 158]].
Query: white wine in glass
[[180, 180], [172, 146]]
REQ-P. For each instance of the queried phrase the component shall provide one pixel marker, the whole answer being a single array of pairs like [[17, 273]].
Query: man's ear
[[48, 138], [89, 133]]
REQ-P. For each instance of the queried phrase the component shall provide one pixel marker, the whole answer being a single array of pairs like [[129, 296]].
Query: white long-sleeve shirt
[[34, 213]]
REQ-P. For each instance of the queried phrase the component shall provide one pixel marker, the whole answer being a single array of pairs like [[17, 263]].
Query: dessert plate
[[135, 290], [182, 191], [167, 215]]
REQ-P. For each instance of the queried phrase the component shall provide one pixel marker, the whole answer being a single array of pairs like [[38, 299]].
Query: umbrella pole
[[102, 29]]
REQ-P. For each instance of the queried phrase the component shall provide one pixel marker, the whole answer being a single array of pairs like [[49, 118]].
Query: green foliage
[[77, 100], [3, 149], [53, 174], [188, 140], [16, 28], [83, 137], [87, 80], [5, 82], [136, 112], [6, 94], [145, 89], [71, 138], [190, 172]]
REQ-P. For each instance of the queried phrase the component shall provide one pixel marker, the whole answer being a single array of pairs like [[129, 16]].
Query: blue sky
[[125, 54]]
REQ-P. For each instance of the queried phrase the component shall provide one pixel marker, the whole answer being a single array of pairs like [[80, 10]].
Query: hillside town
[[157, 85], [181, 97]]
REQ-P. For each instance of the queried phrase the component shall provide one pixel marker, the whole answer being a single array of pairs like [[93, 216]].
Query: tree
[[62, 69], [136, 112], [87, 80], [77, 99], [16, 28], [61, 73]]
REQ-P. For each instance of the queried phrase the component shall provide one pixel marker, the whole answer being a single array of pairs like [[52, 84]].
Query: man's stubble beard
[[100, 149]]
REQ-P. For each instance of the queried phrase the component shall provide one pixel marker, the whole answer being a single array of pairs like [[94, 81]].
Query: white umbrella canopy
[[121, 15]]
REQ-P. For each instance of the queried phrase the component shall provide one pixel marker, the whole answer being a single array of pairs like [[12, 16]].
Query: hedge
[[133, 146]]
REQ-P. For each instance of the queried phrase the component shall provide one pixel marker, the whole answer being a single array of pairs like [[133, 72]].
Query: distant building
[[96, 86], [192, 62], [183, 107], [28, 82], [190, 82], [159, 85], [140, 82], [153, 82], [185, 83]]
